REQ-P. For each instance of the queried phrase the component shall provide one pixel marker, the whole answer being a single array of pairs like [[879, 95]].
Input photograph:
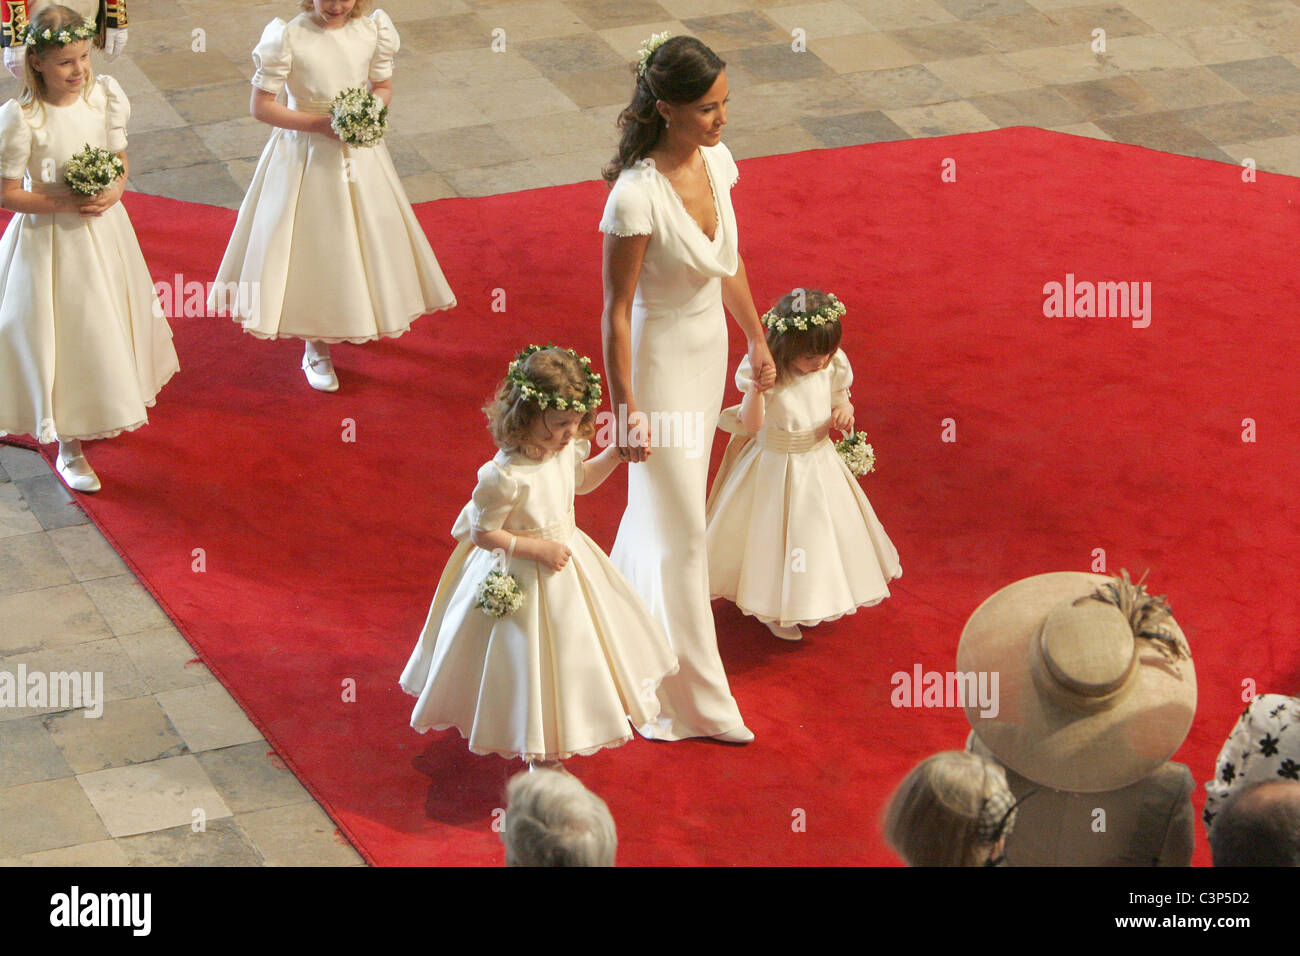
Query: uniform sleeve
[[272, 57], [727, 165], [381, 64], [15, 141], [119, 113], [744, 376], [627, 210], [494, 497], [581, 452], [841, 378]]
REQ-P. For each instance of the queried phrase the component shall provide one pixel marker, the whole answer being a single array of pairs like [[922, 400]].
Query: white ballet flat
[[790, 633], [78, 479], [320, 373], [740, 735]]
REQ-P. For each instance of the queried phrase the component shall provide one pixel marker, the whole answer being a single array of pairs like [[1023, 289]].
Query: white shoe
[[77, 474], [741, 735], [320, 373], [790, 633]]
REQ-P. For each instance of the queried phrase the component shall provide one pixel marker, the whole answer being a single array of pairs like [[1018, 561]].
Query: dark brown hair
[[680, 71], [793, 344], [511, 416]]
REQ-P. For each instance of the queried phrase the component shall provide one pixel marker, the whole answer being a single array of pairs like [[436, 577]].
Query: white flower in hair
[[648, 48]]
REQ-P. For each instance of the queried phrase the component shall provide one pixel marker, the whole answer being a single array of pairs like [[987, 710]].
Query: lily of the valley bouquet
[[857, 454], [499, 594], [92, 170], [359, 117]]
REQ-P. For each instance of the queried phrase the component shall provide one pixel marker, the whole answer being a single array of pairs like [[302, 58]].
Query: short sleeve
[[627, 210], [726, 165], [744, 376], [494, 497], [272, 57], [386, 47], [581, 452], [841, 378], [15, 141], [118, 111]]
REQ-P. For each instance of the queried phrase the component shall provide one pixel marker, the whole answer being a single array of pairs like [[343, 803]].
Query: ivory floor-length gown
[[791, 537], [84, 344], [326, 245], [679, 369]]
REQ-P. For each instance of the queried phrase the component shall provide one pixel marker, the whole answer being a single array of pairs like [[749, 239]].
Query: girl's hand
[[554, 554], [100, 203], [323, 124], [842, 417], [762, 367], [636, 443]]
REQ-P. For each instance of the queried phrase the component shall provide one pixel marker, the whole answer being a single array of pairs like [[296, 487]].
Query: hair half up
[[680, 71]]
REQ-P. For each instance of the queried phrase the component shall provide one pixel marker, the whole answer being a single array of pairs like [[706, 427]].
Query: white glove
[[114, 43], [15, 57]]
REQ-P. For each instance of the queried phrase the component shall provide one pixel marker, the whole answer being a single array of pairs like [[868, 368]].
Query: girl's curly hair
[[511, 417]]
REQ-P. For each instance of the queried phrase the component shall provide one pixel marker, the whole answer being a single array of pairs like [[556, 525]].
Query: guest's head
[[803, 332], [680, 91], [953, 809], [1259, 826], [553, 820]]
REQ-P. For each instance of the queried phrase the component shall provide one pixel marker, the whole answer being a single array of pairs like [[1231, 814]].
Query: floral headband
[[647, 50], [833, 311], [41, 40], [547, 398]]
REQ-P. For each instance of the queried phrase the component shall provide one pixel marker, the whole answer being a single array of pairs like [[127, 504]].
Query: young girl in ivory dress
[[326, 239], [791, 538], [84, 346], [563, 673]]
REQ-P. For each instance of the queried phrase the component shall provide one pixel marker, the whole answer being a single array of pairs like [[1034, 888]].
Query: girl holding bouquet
[[535, 646], [326, 237], [791, 537], [84, 345]]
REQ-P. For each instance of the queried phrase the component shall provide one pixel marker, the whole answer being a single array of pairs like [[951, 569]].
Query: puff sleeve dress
[[84, 344], [563, 674], [679, 373], [791, 537], [326, 240]]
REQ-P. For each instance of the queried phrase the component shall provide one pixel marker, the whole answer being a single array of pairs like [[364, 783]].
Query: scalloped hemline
[[763, 619], [331, 340], [623, 234], [112, 433], [527, 757]]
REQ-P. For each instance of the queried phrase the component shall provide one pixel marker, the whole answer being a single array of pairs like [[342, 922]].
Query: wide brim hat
[[1083, 704]]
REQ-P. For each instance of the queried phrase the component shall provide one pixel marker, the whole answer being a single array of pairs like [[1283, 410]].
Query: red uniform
[[14, 15]]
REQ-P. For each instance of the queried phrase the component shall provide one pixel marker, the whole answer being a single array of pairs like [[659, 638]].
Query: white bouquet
[[359, 117], [857, 454], [499, 594], [92, 170]]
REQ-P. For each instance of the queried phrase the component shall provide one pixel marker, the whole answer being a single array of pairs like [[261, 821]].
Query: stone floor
[[173, 772]]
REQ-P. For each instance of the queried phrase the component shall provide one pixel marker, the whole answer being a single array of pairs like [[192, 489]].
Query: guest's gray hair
[[553, 820], [1259, 826]]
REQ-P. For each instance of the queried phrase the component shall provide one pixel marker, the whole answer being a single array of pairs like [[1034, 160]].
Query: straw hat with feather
[[1096, 683]]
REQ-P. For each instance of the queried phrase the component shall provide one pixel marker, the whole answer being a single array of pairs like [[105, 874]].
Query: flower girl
[[84, 344], [326, 237], [535, 646], [791, 538]]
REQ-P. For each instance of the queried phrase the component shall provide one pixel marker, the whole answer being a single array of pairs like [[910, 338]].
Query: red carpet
[[1072, 434]]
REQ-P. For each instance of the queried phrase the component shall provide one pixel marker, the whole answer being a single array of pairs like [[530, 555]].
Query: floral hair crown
[[833, 311], [44, 39], [647, 50], [517, 377]]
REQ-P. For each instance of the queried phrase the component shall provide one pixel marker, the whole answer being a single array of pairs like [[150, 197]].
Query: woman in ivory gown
[[670, 264]]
